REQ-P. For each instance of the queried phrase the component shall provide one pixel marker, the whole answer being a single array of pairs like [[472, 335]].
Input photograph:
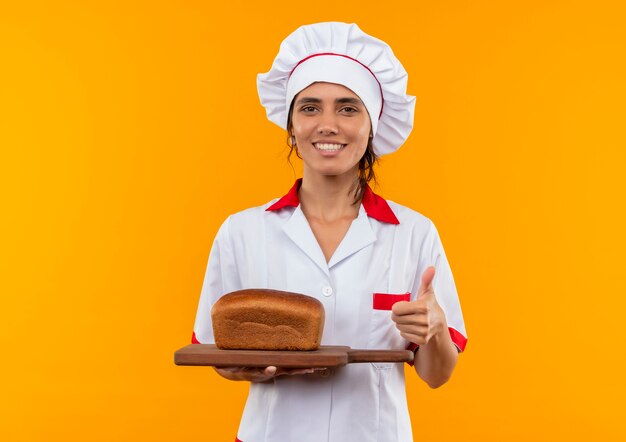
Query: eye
[[308, 109], [349, 110]]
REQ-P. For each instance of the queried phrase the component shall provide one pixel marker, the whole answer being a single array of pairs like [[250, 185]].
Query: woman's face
[[331, 127]]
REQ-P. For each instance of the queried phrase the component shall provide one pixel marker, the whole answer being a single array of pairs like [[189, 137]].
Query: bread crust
[[266, 319]]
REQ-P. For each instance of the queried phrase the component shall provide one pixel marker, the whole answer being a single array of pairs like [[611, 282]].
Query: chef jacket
[[379, 261]]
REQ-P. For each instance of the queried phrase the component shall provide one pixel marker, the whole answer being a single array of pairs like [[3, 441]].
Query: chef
[[379, 268]]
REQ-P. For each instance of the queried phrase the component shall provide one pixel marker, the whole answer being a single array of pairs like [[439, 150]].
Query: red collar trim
[[375, 206]]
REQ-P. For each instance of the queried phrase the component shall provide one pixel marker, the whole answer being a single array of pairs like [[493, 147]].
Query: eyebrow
[[344, 100]]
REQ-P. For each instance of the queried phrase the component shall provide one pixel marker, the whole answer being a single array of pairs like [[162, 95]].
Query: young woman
[[378, 268]]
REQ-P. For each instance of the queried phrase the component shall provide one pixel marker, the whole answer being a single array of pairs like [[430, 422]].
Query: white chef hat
[[341, 53]]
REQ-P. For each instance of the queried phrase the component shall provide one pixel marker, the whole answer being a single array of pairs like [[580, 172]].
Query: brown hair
[[366, 163]]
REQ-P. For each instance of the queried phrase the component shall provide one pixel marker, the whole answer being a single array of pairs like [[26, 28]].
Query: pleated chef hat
[[341, 53]]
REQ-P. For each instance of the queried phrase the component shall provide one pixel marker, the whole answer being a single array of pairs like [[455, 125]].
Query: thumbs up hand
[[418, 321]]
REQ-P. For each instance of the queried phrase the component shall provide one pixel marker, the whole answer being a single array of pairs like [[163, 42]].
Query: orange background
[[130, 130]]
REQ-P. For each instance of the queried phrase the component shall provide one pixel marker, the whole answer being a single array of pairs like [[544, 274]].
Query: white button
[[327, 290], [325, 372]]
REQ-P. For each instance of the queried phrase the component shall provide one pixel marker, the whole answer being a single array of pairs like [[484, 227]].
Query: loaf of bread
[[264, 319]]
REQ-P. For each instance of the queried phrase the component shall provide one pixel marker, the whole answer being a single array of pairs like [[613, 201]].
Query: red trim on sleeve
[[238, 440], [412, 346], [456, 337], [194, 340], [375, 206], [384, 301]]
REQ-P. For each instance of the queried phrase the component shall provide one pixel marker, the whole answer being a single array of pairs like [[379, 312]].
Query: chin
[[333, 170], [331, 173]]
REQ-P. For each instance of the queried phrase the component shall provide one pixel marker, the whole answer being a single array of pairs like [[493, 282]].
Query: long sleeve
[[221, 277]]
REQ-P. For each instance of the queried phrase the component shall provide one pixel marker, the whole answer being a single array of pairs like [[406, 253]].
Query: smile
[[326, 147]]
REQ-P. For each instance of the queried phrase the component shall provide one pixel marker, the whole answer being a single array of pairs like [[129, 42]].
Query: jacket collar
[[375, 206]]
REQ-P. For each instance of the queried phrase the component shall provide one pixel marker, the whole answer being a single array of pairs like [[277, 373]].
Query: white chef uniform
[[379, 261]]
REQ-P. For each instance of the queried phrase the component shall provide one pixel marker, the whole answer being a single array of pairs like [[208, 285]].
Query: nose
[[328, 124]]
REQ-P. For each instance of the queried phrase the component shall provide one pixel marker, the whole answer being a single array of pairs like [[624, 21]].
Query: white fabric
[[396, 121], [256, 248], [339, 70]]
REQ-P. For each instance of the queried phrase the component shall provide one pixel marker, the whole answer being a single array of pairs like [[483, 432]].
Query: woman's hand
[[259, 374], [423, 322], [418, 321]]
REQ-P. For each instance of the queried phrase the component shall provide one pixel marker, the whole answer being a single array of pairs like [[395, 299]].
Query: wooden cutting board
[[326, 356]]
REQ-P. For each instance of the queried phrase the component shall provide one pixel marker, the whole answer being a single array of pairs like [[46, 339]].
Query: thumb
[[427, 281]]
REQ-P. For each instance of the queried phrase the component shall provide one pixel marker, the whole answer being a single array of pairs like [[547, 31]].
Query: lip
[[328, 142]]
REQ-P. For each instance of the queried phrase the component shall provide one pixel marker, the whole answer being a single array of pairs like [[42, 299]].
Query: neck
[[328, 197]]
